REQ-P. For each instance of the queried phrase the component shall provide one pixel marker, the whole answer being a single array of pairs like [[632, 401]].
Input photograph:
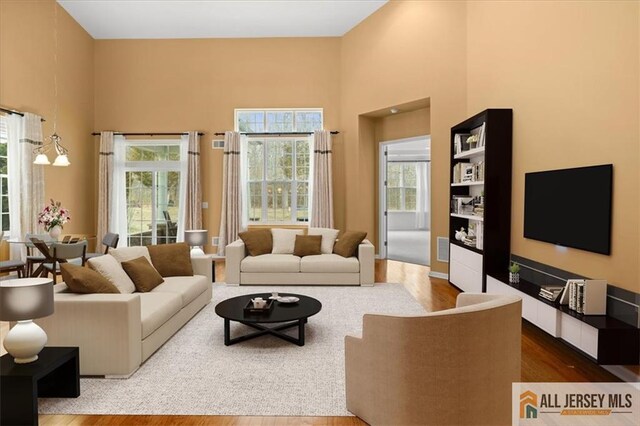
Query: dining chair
[[34, 256], [12, 265], [66, 239], [62, 253], [110, 240]]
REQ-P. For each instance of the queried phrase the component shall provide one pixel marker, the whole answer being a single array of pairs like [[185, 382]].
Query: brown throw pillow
[[144, 276], [80, 279], [307, 245], [171, 260], [257, 242], [347, 244]]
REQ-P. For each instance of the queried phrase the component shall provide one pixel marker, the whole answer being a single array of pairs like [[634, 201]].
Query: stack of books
[[550, 292]]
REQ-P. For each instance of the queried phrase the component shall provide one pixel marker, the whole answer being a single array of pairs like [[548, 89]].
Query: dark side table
[[55, 374]]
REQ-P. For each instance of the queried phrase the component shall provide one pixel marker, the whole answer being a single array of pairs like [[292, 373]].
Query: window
[[4, 178], [401, 186], [277, 169], [278, 120], [152, 175]]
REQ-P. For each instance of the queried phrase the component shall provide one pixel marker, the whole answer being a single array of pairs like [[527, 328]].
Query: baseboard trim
[[441, 275]]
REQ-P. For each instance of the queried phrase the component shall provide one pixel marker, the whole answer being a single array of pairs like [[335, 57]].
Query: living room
[[569, 71]]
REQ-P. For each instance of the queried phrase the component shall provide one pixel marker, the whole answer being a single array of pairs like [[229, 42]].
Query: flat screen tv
[[570, 207]]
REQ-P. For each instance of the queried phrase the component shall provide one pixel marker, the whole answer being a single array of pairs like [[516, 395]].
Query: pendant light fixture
[[62, 160]]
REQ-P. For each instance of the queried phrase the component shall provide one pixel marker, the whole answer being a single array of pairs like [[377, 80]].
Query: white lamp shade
[[61, 161], [196, 237], [26, 299], [42, 159]]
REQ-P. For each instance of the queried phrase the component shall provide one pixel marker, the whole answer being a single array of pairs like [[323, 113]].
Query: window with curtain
[[401, 186], [153, 171], [4, 179], [277, 169]]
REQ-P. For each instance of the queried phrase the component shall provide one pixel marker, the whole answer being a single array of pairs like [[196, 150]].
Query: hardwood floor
[[544, 359]]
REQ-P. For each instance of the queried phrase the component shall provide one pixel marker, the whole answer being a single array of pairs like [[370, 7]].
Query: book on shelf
[[588, 297], [468, 172]]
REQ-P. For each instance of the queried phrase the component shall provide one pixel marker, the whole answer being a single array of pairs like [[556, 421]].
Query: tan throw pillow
[[171, 260], [84, 280], [347, 244], [124, 254], [110, 268], [284, 240], [257, 242], [328, 238], [308, 245], [144, 276]]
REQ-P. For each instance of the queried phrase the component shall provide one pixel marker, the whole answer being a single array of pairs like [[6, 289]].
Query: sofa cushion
[[124, 254], [284, 240], [110, 268], [156, 309], [328, 238], [347, 244], [142, 273], [307, 245], [329, 263], [171, 260], [271, 263], [258, 241], [188, 288], [80, 279]]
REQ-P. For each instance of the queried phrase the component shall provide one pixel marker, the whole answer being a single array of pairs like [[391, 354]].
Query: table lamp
[[23, 300], [196, 238]]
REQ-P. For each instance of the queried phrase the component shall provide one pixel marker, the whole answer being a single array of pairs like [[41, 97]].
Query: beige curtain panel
[[105, 179], [26, 180], [322, 193], [231, 214], [193, 215]]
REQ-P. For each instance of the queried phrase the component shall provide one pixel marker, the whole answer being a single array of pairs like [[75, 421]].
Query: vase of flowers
[[52, 217]]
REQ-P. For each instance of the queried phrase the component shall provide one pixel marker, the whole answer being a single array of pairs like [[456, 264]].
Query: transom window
[[278, 120], [277, 169], [401, 186], [4, 178]]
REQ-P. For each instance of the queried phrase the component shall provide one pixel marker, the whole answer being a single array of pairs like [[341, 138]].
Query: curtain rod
[[147, 134], [333, 132], [13, 111]]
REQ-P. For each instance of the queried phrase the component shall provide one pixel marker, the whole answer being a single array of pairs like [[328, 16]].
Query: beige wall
[[26, 84], [403, 52], [573, 85], [179, 85]]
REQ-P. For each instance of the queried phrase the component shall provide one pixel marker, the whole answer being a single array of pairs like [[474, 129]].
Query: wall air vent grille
[[443, 249]]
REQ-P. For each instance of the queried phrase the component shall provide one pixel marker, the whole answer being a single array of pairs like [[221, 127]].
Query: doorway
[[405, 200]]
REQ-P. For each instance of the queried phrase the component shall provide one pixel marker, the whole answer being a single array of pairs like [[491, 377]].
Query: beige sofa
[[452, 367], [287, 269], [117, 332]]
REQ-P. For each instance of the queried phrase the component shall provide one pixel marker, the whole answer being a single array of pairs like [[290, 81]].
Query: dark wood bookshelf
[[496, 219]]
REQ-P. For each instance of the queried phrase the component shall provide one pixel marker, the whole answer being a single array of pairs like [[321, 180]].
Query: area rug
[[195, 373]]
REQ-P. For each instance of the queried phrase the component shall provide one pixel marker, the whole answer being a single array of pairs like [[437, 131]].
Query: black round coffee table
[[291, 314]]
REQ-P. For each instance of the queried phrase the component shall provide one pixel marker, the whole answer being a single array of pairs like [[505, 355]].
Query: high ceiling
[[123, 19]]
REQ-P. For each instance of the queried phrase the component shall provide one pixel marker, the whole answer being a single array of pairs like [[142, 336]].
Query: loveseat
[[288, 269], [117, 332]]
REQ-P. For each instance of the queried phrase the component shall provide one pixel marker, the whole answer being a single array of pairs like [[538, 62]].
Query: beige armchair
[[452, 367]]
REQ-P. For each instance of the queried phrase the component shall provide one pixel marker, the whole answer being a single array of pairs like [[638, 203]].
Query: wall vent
[[443, 249], [217, 144], [215, 241]]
